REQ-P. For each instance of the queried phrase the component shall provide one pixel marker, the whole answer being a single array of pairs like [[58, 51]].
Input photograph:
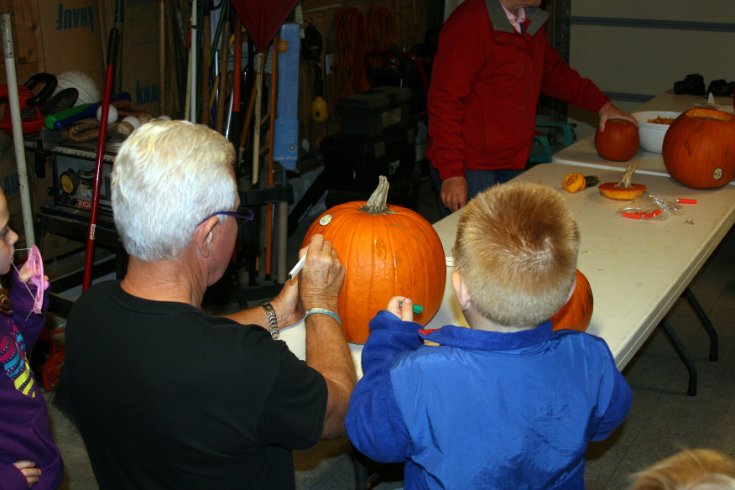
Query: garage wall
[[634, 50]]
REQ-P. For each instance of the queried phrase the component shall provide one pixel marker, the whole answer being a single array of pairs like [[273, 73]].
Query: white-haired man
[[167, 396]]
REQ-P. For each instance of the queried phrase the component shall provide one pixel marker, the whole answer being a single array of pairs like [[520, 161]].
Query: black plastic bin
[[374, 111], [352, 164]]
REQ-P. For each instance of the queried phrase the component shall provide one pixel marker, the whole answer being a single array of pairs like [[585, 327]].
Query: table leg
[[369, 474], [713, 344], [361, 471], [684, 356]]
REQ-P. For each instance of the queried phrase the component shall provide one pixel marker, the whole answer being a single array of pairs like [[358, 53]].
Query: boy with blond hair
[[507, 403], [689, 469]]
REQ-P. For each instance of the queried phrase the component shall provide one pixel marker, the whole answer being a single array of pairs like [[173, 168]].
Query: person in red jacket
[[493, 61]]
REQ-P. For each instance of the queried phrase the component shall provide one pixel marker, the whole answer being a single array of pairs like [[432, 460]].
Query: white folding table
[[637, 268]]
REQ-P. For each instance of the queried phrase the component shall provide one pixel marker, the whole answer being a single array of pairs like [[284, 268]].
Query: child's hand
[[401, 307], [29, 470], [26, 272]]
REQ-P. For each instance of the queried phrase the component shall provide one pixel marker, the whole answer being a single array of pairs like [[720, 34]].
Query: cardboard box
[[140, 57], [10, 182], [140, 53], [26, 41], [137, 68], [70, 36], [9, 177]]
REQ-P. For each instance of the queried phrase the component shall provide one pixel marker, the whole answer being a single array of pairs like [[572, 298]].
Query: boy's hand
[[29, 470], [401, 307]]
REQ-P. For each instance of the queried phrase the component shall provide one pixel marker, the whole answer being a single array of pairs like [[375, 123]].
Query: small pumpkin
[[699, 148], [574, 182], [576, 313], [619, 142], [625, 189], [386, 250]]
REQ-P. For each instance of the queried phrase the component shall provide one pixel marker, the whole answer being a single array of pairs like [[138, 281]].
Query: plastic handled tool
[[297, 268], [52, 119], [417, 309], [89, 111], [641, 214], [670, 203], [38, 278]]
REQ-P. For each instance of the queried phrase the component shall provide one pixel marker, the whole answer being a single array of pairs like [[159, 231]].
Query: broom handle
[[109, 79], [269, 177]]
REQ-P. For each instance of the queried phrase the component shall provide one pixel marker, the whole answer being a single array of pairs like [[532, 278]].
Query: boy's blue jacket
[[484, 409]]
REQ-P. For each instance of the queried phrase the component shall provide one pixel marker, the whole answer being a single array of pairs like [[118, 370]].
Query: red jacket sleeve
[[561, 81], [459, 58]]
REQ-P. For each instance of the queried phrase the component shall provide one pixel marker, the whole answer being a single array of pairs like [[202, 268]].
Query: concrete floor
[[663, 418]]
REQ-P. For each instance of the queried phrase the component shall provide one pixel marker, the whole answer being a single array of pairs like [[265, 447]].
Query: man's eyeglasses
[[241, 215]]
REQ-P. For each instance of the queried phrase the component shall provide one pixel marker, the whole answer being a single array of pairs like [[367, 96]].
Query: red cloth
[[485, 86]]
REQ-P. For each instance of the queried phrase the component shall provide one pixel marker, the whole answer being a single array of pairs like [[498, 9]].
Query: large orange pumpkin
[[619, 142], [577, 312], [699, 148], [386, 250]]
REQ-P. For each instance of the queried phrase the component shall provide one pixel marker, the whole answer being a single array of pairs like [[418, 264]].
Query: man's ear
[[461, 291], [204, 234]]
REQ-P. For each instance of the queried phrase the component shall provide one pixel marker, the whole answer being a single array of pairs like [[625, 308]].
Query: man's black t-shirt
[[166, 396]]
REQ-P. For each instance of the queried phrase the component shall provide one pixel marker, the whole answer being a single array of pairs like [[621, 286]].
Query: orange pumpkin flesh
[[619, 142], [576, 313], [699, 148], [612, 191], [574, 182], [386, 251]]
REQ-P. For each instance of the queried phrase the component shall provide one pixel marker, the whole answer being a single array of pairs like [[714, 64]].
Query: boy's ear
[[461, 291]]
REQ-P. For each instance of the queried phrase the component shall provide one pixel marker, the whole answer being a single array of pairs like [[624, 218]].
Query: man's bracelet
[[270, 312], [322, 311]]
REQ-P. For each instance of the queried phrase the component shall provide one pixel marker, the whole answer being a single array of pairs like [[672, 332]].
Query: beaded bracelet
[[322, 311]]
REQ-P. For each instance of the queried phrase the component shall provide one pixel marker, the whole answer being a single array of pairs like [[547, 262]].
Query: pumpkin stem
[[627, 179], [377, 204]]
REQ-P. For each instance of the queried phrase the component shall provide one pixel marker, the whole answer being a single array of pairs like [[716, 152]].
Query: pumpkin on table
[[699, 148], [624, 189], [386, 250], [576, 313], [619, 142]]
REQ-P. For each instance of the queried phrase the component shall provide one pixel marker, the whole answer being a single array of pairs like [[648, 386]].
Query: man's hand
[[326, 346], [611, 111], [287, 306], [322, 276], [454, 193]]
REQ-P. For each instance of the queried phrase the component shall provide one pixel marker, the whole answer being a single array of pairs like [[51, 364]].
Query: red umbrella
[[262, 18]]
